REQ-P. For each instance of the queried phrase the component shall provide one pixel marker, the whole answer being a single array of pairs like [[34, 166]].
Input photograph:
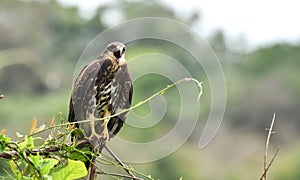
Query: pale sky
[[259, 21]]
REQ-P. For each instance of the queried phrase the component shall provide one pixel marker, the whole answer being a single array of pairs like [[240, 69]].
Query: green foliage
[[273, 58], [47, 164], [3, 142], [28, 161], [74, 170]]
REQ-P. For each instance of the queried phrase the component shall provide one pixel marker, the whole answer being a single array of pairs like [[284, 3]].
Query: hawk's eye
[[117, 54], [123, 50]]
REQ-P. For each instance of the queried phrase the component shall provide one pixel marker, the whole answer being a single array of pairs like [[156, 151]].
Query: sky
[[259, 22]]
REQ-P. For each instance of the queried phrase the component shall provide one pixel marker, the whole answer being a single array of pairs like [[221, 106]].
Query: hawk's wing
[[82, 100], [121, 99], [122, 91]]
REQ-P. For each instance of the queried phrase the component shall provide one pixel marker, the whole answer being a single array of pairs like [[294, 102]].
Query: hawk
[[102, 89]]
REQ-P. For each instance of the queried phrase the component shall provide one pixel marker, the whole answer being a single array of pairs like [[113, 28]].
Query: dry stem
[[266, 167], [119, 161]]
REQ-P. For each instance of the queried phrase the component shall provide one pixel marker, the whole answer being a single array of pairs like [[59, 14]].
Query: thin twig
[[11, 154], [269, 165], [119, 175], [162, 91], [119, 161], [267, 147]]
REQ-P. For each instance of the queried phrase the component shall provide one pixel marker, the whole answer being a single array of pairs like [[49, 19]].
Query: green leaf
[[3, 142], [35, 159], [79, 133], [74, 170], [78, 156], [46, 165], [23, 144], [47, 177], [30, 142], [4, 138], [27, 143], [15, 169]]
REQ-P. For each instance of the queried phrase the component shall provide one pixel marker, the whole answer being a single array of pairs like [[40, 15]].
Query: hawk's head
[[116, 50]]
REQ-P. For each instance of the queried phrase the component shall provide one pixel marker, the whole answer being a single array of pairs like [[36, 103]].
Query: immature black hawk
[[103, 88]]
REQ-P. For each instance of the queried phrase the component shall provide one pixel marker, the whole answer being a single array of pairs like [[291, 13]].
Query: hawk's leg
[[104, 136], [103, 140]]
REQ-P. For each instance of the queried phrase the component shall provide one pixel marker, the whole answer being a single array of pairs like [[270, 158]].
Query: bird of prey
[[102, 89]]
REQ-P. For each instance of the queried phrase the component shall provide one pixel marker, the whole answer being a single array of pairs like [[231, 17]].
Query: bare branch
[[119, 161], [267, 148], [269, 165], [119, 175], [45, 151]]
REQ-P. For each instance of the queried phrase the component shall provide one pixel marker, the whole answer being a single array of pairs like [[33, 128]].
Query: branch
[[162, 91], [119, 175], [119, 161], [269, 165], [45, 151], [267, 148]]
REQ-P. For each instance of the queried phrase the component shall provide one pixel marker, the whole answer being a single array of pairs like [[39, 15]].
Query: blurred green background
[[41, 41]]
